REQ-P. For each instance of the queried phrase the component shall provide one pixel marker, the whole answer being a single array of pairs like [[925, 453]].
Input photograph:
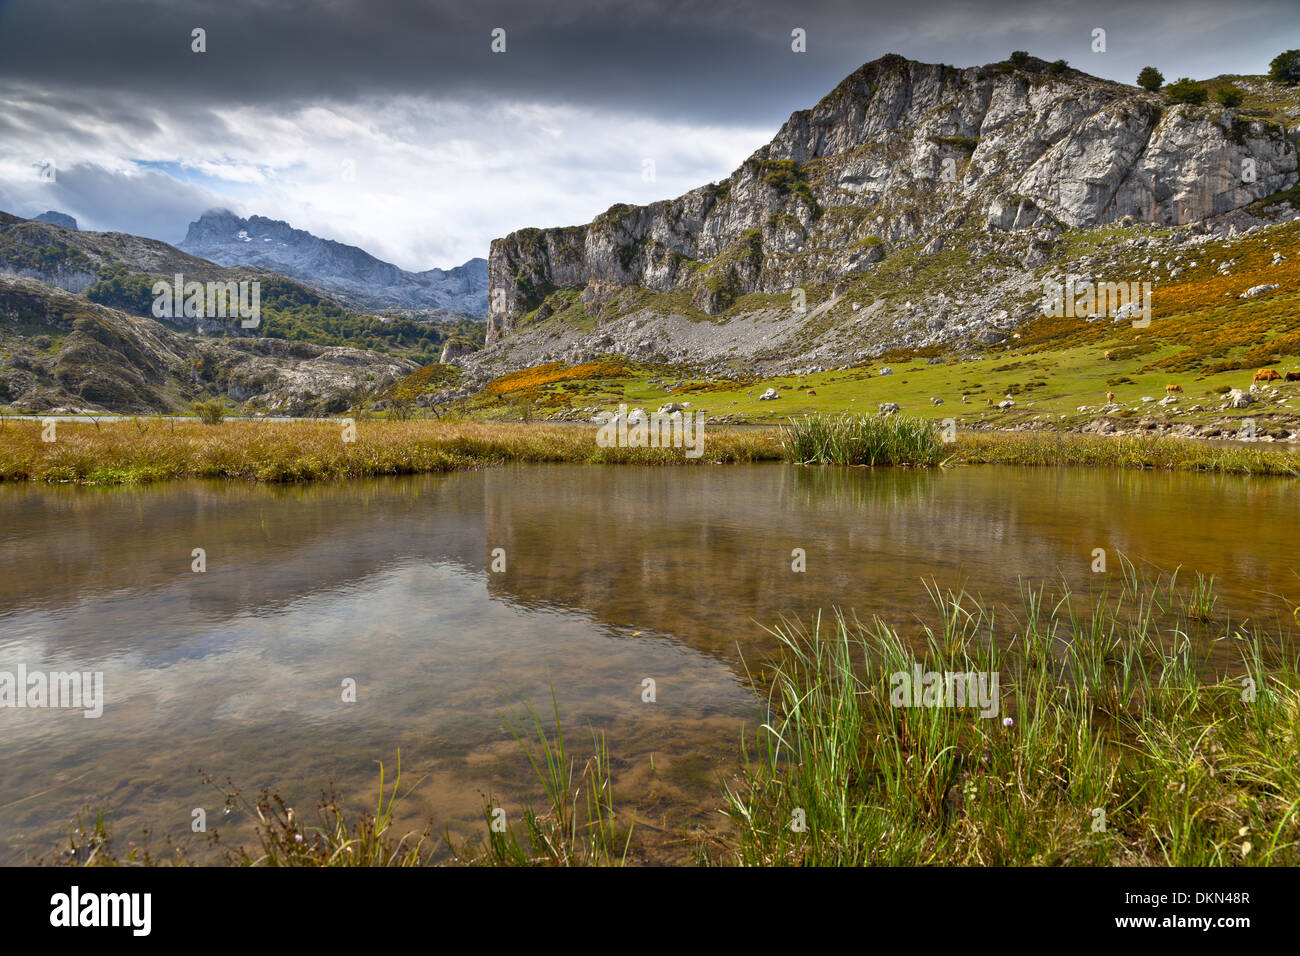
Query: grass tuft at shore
[[1109, 745], [861, 440], [121, 452], [143, 451]]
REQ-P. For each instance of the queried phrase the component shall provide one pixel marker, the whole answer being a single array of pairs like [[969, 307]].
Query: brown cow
[[1173, 388], [990, 401], [1293, 376], [1267, 375], [1110, 396], [1108, 358], [811, 392]]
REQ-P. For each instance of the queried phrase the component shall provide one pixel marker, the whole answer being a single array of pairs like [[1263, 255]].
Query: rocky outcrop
[[55, 218], [902, 151]]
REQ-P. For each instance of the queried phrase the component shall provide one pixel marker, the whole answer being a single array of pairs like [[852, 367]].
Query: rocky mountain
[[346, 271], [60, 353], [56, 218], [77, 333], [916, 204]]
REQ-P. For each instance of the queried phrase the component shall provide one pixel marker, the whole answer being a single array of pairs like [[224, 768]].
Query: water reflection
[[613, 575]]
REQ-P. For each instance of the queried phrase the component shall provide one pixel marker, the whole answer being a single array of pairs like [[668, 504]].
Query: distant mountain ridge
[[55, 218], [348, 271]]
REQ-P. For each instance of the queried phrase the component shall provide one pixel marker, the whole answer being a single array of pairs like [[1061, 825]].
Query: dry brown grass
[[128, 452]]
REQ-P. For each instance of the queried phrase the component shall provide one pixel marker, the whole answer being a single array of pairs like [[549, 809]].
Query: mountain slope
[[223, 237], [977, 175], [59, 351]]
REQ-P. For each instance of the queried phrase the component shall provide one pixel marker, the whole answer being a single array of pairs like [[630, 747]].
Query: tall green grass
[[861, 440], [579, 825], [1119, 749]]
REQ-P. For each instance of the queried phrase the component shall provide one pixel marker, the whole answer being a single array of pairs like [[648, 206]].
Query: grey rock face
[[226, 239], [902, 151], [1236, 398]]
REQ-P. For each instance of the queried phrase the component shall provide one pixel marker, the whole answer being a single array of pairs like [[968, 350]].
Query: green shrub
[[1185, 90], [1019, 59], [119, 289], [1150, 79], [1229, 96], [209, 413], [1285, 68]]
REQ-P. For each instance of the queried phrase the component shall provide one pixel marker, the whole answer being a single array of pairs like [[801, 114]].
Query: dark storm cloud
[[714, 62], [452, 144]]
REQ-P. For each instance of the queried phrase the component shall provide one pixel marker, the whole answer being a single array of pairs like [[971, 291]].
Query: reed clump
[[1111, 744], [862, 440]]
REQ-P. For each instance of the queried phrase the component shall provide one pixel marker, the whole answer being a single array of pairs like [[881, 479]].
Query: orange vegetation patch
[[1202, 315], [553, 372]]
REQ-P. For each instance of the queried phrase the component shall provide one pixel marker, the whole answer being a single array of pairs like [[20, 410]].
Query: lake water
[[613, 575]]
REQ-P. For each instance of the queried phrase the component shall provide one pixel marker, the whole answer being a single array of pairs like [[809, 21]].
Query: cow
[[1293, 376], [1267, 375], [990, 401], [811, 392], [1108, 356], [1110, 397], [1172, 388]]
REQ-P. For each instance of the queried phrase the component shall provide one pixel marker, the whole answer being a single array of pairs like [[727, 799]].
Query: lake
[[612, 575]]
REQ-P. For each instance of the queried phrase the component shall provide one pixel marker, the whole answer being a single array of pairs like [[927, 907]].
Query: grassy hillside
[[1203, 337]]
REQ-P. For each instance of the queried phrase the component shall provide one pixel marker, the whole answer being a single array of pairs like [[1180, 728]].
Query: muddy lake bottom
[[612, 575]]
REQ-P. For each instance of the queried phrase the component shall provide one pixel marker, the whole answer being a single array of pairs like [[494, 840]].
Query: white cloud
[[418, 182]]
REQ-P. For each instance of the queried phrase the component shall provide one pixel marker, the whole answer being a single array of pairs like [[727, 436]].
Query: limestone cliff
[[900, 151]]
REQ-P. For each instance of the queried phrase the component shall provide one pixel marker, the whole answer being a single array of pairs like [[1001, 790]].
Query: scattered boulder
[[886, 371], [669, 407], [1236, 398], [1257, 290], [769, 395], [888, 408], [1006, 403]]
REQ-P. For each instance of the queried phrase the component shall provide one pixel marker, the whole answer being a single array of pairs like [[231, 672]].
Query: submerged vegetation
[[1102, 734]]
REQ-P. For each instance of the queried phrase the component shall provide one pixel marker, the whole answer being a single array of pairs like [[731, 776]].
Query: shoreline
[[134, 452]]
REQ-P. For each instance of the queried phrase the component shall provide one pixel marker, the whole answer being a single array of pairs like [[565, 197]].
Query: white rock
[[1257, 290]]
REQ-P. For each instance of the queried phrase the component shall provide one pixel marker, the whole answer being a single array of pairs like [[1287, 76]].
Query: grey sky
[[392, 125]]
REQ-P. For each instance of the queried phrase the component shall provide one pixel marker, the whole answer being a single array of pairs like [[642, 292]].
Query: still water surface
[[613, 575]]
